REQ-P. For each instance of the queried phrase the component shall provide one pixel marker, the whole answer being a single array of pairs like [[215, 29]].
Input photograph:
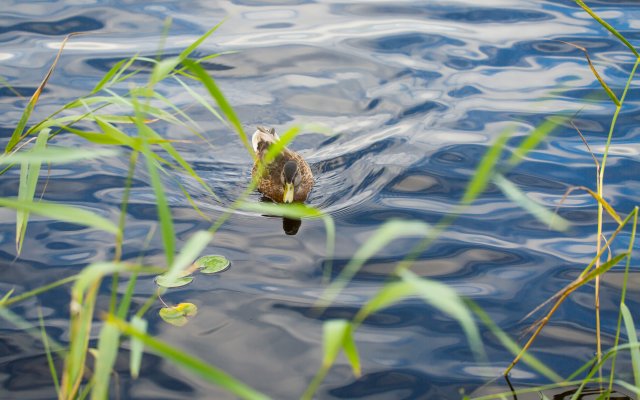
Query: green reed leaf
[[137, 347], [107, 77], [162, 69], [633, 341], [224, 105], [608, 27], [191, 363], [286, 138], [292, 210], [337, 336], [607, 207], [154, 136], [190, 251], [333, 335], [108, 343], [162, 206], [602, 268], [55, 155], [48, 351], [512, 346], [485, 170], [83, 297], [22, 123], [434, 293], [510, 190], [116, 134], [388, 232], [61, 212], [351, 351], [186, 52], [533, 139], [29, 174], [449, 302], [201, 100], [5, 298]]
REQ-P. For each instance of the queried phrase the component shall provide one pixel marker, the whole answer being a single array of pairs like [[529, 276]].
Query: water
[[414, 93]]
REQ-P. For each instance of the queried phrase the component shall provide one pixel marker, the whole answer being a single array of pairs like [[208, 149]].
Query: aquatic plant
[[132, 132]]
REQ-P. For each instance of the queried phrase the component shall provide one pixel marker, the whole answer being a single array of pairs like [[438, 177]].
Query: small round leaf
[[178, 315], [212, 264], [161, 280]]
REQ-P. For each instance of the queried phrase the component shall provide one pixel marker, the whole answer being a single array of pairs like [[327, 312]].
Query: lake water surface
[[414, 92]]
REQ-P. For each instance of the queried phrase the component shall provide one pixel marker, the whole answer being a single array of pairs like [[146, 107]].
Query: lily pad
[[178, 315], [161, 280], [212, 264]]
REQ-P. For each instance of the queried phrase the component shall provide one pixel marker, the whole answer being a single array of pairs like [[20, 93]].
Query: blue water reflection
[[414, 93]]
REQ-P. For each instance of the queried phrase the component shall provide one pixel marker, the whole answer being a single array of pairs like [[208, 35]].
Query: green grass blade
[[512, 346], [29, 174], [296, 210], [389, 231], [191, 250], [224, 105], [286, 138], [608, 27], [137, 346], [62, 212], [186, 52], [434, 293], [201, 100], [17, 132], [333, 339], [108, 343], [6, 301], [116, 134], [118, 77], [293, 210], [162, 206], [56, 155], [449, 302], [484, 172], [27, 327], [153, 135], [390, 294], [83, 298], [543, 215], [533, 139], [47, 350], [5, 298], [191, 363], [351, 351], [94, 137], [602, 268], [633, 341], [105, 79], [162, 69]]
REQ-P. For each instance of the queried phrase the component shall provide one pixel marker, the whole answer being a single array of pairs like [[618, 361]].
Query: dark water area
[[414, 93]]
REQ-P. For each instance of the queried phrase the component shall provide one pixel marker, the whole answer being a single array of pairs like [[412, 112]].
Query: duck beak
[[288, 193]]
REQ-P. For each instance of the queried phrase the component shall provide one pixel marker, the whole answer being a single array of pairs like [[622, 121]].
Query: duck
[[286, 179]]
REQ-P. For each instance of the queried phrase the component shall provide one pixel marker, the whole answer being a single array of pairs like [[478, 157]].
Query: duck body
[[288, 178]]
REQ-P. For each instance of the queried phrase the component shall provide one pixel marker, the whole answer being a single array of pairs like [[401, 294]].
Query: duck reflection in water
[[286, 179]]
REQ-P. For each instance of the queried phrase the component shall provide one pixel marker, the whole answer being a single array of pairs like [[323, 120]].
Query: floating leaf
[[212, 264], [178, 315], [162, 280]]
